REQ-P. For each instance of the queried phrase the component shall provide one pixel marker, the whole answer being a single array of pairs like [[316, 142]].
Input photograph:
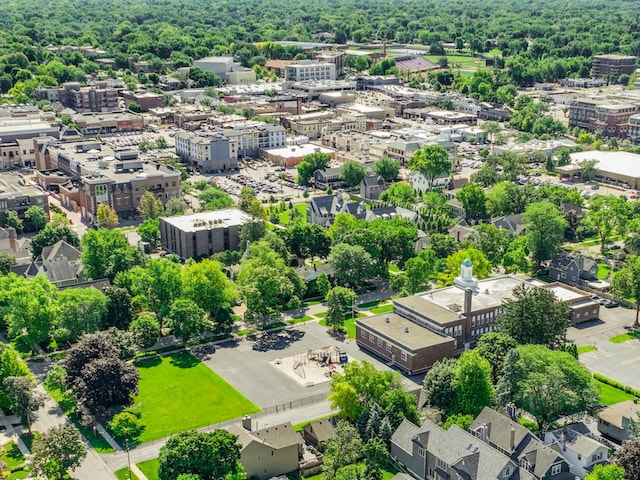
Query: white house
[[577, 446]]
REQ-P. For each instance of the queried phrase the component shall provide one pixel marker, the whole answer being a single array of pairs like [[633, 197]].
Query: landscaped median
[[612, 391], [625, 336]]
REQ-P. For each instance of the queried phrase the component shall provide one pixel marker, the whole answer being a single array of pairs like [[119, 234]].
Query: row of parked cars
[[257, 185], [605, 302]]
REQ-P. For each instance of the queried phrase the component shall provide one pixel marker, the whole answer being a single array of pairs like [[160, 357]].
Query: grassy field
[[625, 336], [603, 271], [301, 207], [349, 325], [387, 473], [382, 309], [150, 468], [393, 268], [123, 474], [198, 396], [586, 348], [68, 406], [14, 460], [610, 395]]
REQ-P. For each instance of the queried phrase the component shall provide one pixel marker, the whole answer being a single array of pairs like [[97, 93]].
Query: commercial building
[[615, 168], [146, 100], [634, 129], [309, 70], [96, 97], [18, 153], [203, 234], [12, 129], [106, 123], [613, 65], [291, 155], [428, 327], [599, 116], [89, 173], [252, 139], [17, 194], [337, 58], [210, 152], [226, 69]]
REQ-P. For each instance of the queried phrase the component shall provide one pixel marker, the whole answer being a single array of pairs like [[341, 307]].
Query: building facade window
[[403, 356], [556, 469]]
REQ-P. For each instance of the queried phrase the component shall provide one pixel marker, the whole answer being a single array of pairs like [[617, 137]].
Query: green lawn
[[178, 393], [587, 348], [387, 473], [321, 315], [371, 304], [11, 455], [68, 406], [312, 302], [123, 474], [610, 395], [382, 309], [301, 207], [349, 325], [150, 468], [299, 426], [603, 271], [625, 336], [393, 268]]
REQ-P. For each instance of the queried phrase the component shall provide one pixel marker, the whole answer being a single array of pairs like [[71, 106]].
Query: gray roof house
[[59, 262], [428, 452], [510, 222], [323, 210], [327, 177], [574, 270], [506, 435], [372, 186], [615, 420], [577, 445]]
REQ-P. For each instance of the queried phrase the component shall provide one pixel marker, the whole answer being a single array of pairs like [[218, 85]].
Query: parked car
[[595, 186], [611, 304]]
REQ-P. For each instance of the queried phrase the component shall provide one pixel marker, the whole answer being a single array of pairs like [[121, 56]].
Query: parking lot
[[246, 364]]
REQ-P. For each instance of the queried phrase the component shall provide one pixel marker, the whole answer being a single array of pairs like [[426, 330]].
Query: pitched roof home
[[372, 186], [509, 222], [577, 445], [574, 270], [615, 420], [506, 435], [59, 262], [428, 451], [270, 451], [318, 432]]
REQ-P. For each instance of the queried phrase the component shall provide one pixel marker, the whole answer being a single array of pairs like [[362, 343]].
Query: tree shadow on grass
[[184, 360], [203, 352], [149, 362], [338, 335]]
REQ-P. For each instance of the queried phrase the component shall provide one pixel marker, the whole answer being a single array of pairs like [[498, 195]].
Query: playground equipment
[[327, 356]]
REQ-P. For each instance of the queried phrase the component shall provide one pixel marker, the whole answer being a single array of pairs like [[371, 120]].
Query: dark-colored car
[[611, 304]]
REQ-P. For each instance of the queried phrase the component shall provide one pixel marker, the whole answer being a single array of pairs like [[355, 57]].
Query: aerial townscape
[[320, 240]]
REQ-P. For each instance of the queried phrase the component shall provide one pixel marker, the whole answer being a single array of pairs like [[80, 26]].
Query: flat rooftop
[[491, 293], [294, 151], [14, 184], [619, 163], [206, 220], [565, 294], [403, 331]]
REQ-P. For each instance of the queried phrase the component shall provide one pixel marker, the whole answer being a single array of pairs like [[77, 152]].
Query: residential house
[[430, 452], [270, 451], [420, 183], [574, 270], [372, 186], [615, 421], [577, 445], [513, 223], [322, 210], [59, 262], [505, 434], [317, 433], [327, 177]]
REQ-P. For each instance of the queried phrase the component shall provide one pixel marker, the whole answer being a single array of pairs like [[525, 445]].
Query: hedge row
[[616, 384]]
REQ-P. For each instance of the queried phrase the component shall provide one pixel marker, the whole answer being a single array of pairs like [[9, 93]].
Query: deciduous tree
[[24, 399], [439, 386], [338, 300], [473, 199], [626, 284], [150, 206], [309, 164], [211, 455], [146, 330], [473, 386], [187, 320], [545, 225], [82, 310], [344, 449], [352, 264], [35, 218], [432, 162], [56, 451], [399, 194], [606, 472], [149, 232], [607, 215], [534, 316], [106, 217], [207, 286], [494, 346], [119, 307], [352, 173], [628, 457], [387, 169], [107, 252]]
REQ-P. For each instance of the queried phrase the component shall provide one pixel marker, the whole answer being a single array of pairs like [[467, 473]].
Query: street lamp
[[128, 459]]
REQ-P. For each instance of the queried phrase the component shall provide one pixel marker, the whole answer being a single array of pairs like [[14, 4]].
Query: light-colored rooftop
[[207, 220], [402, 331], [491, 293], [565, 294], [294, 151], [619, 163]]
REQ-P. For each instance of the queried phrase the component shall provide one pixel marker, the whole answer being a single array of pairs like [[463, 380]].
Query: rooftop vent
[[406, 329], [386, 320]]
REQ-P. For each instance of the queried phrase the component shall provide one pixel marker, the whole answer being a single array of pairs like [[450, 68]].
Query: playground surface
[[312, 367]]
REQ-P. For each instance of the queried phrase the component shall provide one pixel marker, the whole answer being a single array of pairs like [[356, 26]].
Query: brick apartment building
[[97, 97], [611, 120], [634, 129], [17, 194]]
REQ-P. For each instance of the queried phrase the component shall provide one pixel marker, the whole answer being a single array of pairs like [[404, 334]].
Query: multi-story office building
[[612, 120], [210, 152], [89, 173], [613, 65], [17, 194], [97, 97], [253, 139], [634, 129], [306, 70], [105, 123], [337, 58], [203, 234], [19, 153], [582, 111]]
